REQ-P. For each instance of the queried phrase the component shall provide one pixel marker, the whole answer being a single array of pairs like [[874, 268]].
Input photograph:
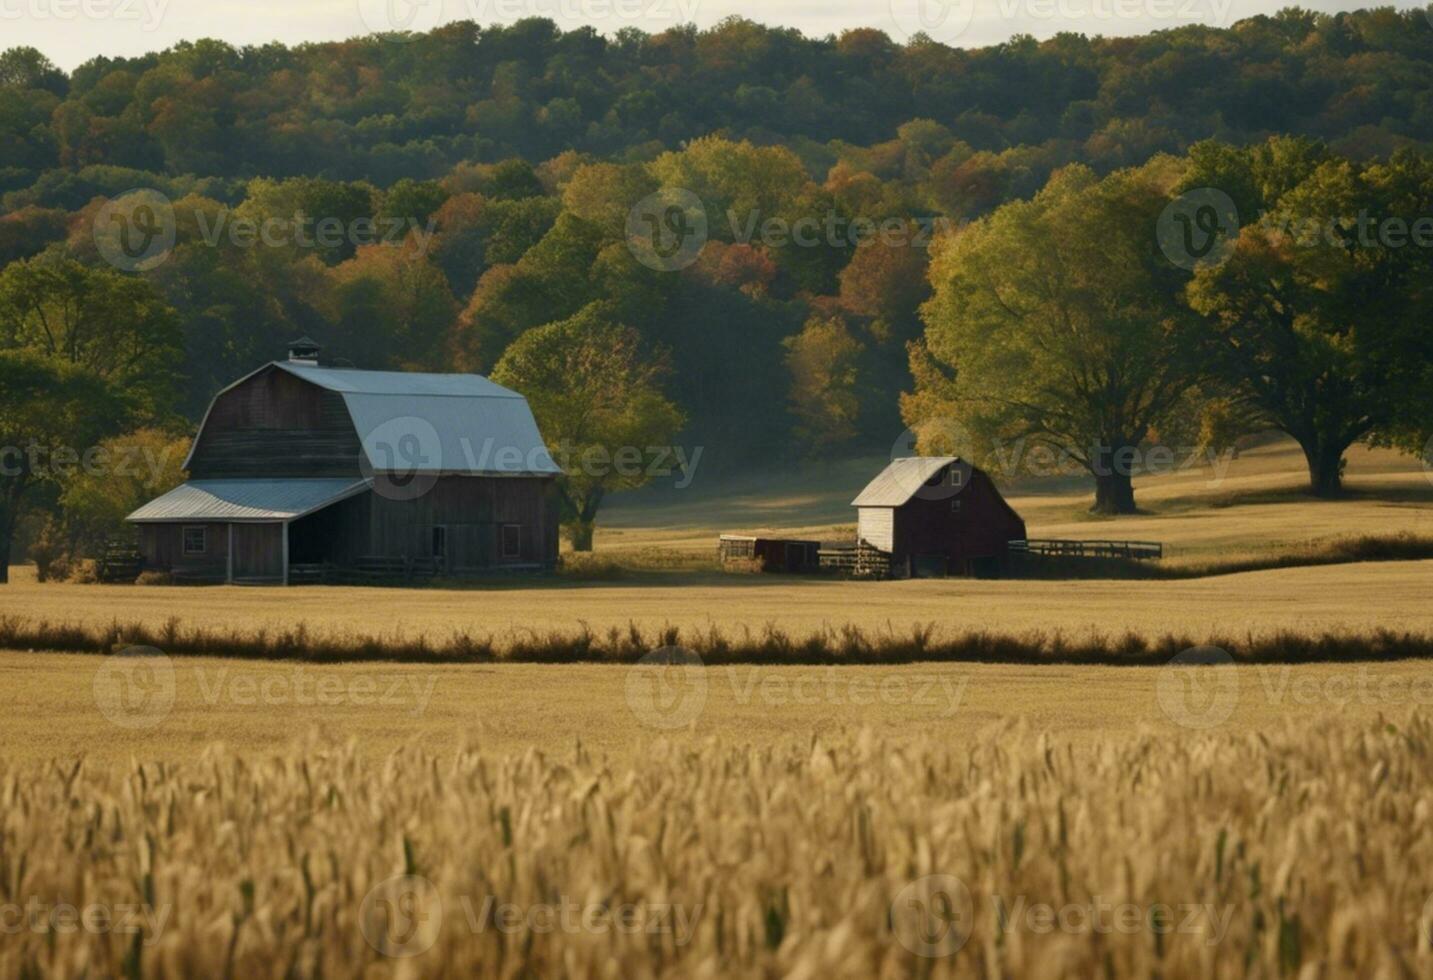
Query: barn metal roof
[[444, 434], [247, 500], [900, 480], [431, 423], [359, 382]]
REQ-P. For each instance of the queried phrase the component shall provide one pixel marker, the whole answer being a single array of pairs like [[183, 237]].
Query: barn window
[[512, 541], [440, 541], [955, 506], [196, 540], [957, 478]]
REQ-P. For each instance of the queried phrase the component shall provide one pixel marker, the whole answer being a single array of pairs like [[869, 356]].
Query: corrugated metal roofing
[[900, 480], [247, 500], [443, 434]]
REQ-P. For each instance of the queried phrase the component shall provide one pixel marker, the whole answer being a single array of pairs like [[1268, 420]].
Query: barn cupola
[[304, 351]]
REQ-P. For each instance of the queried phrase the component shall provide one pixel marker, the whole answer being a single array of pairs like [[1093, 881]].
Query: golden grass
[[1356, 597], [1255, 510], [64, 706], [1302, 851]]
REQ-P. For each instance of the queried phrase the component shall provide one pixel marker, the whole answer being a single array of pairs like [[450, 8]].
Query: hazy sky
[[71, 31]]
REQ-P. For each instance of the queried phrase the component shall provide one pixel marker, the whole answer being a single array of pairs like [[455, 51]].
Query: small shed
[[774, 554], [936, 516]]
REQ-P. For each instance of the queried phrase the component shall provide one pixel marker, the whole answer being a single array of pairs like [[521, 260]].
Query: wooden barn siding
[[162, 546], [876, 525], [981, 529], [472, 509], [277, 425], [259, 551]]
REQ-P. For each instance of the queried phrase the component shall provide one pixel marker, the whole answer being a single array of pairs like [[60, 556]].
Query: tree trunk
[[584, 520], [1114, 494], [1114, 476], [579, 532], [1325, 467], [7, 539]]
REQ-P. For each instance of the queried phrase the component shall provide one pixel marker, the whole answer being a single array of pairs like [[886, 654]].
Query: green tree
[[596, 397], [413, 201], [1320, 311], [1057, 323], [115, 326], [51, 412], [552, 279], [26, 67]]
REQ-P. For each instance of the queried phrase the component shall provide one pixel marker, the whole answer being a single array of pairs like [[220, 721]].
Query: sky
[[73, 31]]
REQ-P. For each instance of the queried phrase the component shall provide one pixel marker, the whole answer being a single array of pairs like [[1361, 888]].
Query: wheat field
[[1299, 851], [202, 816]]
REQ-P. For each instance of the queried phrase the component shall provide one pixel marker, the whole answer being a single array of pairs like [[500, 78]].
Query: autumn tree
[[596, 395], [391, 306], [825, 365], [122, 474]]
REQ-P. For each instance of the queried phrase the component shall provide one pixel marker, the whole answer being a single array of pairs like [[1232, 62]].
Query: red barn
[[937, 515]]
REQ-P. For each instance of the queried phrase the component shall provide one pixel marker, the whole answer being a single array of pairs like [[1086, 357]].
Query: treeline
[[369, 109], [720, 237]]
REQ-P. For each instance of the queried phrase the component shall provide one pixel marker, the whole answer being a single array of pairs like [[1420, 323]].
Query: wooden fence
[[856, 559], [1053, 547]]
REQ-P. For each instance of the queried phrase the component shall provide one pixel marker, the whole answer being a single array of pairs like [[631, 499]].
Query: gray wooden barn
[[301, 470]]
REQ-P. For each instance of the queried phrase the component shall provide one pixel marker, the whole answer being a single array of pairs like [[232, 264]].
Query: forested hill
[[377, 110], [508, 159]]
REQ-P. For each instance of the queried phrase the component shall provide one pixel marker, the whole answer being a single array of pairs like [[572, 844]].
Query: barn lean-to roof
[[447, 423], [238, 501]]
